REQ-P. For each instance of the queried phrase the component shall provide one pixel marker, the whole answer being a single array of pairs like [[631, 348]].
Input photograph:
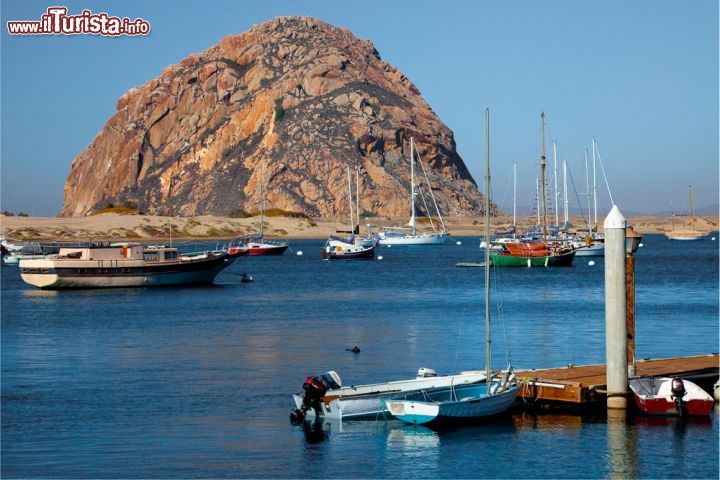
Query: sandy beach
[[115, 227]]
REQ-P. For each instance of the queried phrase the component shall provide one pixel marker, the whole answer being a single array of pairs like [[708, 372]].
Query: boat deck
[[582, 385]]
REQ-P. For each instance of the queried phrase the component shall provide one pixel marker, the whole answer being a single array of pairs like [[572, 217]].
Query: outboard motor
[[425, 372], [314, 390], [678, 392]]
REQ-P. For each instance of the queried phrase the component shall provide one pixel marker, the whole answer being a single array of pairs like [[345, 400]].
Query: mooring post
[[632, 242], [630, 313], [615, 310]]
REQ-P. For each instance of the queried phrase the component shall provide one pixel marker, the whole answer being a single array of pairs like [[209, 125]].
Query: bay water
[[192, 382]]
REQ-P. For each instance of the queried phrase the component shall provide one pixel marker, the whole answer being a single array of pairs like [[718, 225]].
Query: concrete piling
[[615, 310]]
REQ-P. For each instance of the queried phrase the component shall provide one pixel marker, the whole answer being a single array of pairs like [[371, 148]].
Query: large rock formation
[[295, 94]]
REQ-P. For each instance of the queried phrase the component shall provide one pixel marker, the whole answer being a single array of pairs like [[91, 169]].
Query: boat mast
[[594, 186], [542, 178], [566, 212], [262, 202], [357, 198], [411, 223], [555, 189], [692, 211], [537, 203], [587, 186], [352, 217], [514, 190], [488, 344]]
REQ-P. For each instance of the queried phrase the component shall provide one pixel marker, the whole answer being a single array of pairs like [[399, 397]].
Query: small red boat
[[670, 396], [256, 245]]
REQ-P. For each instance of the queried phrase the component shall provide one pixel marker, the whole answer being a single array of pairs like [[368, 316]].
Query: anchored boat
[[409, 235], [324, 395], [670, 396], [123, 265]]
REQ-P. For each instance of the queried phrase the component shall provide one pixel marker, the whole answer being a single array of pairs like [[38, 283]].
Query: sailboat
[[256, 244], [409, 235], [691, 234], [471, 401], [348, 248], [536, 254]]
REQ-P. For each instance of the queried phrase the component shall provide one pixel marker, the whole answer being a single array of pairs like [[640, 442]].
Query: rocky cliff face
[[301, 97]]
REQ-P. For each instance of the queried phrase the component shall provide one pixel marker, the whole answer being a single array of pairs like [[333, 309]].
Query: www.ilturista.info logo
[[57, 22]]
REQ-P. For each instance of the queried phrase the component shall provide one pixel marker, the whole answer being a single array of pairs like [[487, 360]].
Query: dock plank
[[580, 384]]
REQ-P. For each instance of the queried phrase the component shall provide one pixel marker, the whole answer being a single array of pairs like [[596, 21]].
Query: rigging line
[[501, 312], [602, 167], [427, 210], [431, 193], [582, 213]]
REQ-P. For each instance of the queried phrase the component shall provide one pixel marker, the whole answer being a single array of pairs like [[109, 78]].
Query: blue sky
[[642, 76]]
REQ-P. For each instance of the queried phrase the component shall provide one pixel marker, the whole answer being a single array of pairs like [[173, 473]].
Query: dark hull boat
[[258, 246], [346, 249], [124, 265]]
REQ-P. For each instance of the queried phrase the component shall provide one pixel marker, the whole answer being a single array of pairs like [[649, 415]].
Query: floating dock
[[578, 386]]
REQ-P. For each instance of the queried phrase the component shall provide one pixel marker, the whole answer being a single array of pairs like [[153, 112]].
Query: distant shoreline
[[205, 227]]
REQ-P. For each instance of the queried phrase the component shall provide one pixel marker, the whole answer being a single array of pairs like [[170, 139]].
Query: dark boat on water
[[337, 248], [124, 265]]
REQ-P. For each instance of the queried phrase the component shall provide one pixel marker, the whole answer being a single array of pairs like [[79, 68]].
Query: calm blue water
[[196, 382]]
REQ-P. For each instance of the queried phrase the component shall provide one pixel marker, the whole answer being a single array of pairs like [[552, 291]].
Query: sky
[[640, 76]]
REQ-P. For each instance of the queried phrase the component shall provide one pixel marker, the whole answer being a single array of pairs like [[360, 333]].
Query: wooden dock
[[585, 385]]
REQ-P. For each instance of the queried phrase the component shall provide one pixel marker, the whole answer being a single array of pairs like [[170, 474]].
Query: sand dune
[[114, 226]]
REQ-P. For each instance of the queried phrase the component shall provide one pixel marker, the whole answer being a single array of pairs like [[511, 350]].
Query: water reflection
[[621, 446], [415, 441], [317, 431]]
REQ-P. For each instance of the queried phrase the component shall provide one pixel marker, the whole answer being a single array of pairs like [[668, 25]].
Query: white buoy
[[641, 245], [458, 242], [591, 262], [299, 254], [389, 246], [380, 257], [713, 239]]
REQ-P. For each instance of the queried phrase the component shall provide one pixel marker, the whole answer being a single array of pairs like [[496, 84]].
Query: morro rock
[[296, 95]]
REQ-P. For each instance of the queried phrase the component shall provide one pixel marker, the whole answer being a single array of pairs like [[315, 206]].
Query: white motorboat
[[369, 401]]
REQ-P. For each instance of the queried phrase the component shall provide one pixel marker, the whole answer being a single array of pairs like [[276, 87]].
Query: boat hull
[[369, 401], [427, 239], [685, 237], [361, 253], [52, 276], [451, 404], [591, 251], [562, 260], [652, 397], [267, 249]]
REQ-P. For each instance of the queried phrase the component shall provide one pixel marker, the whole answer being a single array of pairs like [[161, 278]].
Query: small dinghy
[[670, 396]]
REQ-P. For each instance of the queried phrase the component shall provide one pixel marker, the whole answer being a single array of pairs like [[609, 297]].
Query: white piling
[[615, 310]]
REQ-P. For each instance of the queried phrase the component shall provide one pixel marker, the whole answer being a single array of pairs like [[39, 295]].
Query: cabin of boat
[[122, 265]]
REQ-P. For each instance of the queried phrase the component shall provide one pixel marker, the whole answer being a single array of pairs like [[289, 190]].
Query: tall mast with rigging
[[692, 211], [488, 342], [543, 164], [411, 223]]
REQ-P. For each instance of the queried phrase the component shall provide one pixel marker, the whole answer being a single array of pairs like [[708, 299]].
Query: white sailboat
[[465, 402], [591, 245], [691, 234], [409, 235]]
